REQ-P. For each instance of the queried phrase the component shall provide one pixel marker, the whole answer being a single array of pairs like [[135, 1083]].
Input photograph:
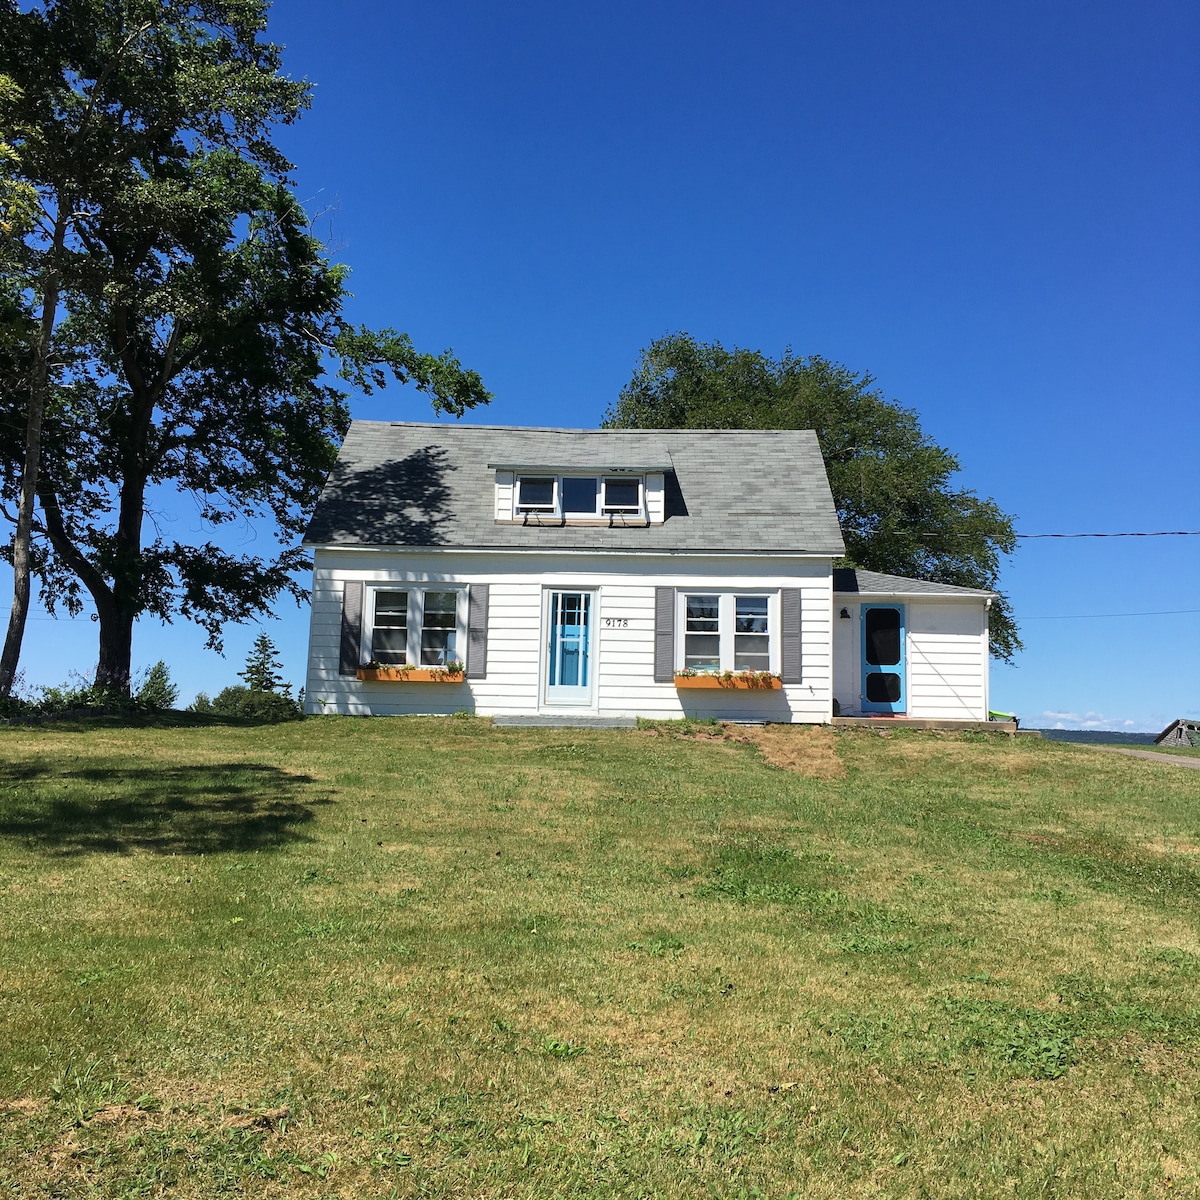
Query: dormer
[[540, 494]]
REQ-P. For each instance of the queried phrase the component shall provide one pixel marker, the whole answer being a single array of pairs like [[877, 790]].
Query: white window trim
[[416, 617], [726, 614], [601, 513]]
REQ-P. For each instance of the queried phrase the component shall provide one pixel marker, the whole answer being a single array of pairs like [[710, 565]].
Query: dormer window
[[581, 497], [535, 494], [623, 495]]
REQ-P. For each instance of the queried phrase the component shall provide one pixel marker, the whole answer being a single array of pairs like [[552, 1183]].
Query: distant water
[[1107, 736]]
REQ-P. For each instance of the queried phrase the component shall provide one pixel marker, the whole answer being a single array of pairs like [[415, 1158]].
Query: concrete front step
[[927, 723]]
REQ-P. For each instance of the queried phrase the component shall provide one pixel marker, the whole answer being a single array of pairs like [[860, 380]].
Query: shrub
[[157, 691], [82, 694], [240, 701]]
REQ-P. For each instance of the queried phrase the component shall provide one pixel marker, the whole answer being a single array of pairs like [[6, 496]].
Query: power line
[[1155, 533], [1168, 612]]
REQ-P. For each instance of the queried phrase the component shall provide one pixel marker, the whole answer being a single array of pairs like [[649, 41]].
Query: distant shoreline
[[1107, 736]]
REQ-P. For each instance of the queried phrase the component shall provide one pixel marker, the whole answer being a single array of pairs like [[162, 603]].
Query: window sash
[[751, 633], [531, 493], [576, 490], [389, 641], [702, 632], [439, 629], [612, 501]]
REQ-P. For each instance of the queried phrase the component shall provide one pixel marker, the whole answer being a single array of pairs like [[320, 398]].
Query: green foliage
[[201, 344], [893, 486], [157, 691], [248, 702], [80, 694], [560, 1049], [657, 945], [261, 671]]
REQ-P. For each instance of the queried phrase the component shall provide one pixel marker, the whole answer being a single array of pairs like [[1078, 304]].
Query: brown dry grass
[[807, 750]]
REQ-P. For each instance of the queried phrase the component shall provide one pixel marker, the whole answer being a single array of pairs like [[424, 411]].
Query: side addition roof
[[851, 580], [408, 484]]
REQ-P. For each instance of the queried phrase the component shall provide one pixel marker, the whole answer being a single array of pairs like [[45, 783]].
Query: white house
[[599, 574]]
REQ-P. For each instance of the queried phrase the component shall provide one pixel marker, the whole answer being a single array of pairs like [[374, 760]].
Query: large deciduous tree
[[179, 328], [893, 486]]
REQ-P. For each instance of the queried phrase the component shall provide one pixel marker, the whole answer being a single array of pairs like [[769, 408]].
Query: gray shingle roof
[[848, 580], [407, 484]]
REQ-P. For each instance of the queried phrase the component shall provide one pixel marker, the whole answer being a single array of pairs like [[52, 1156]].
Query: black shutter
[[477, 631], [664, 634], [352, 605], [789, 634]]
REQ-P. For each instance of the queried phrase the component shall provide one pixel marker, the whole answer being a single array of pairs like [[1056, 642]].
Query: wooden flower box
[[414, 675], [730, 682]]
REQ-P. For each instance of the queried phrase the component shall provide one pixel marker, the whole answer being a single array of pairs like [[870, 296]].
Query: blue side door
[[884, 688]]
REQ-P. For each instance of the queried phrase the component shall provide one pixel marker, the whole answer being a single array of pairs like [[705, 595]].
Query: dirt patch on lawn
[[809, 750]]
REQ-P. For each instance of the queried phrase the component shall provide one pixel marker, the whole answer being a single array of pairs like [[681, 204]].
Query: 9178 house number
[[616, 622]]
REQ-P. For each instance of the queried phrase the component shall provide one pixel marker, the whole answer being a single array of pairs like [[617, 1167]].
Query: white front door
[[569, 617]]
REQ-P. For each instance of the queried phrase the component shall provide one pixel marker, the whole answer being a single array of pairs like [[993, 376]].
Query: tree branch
[[66, 549]]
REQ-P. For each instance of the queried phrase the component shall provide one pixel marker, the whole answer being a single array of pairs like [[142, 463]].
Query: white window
[[581, 497], [728, 631], [623, 494], [421, 626], [537, 494]]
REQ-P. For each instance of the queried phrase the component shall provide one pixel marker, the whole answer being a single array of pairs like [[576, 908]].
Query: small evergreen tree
[[262, 668], [157, 690]]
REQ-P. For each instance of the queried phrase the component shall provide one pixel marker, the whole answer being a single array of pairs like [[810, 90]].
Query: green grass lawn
[[1187, 751], [431, 958]]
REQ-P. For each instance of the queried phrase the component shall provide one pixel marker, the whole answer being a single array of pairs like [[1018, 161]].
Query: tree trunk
[[23, 537], [116, 649]]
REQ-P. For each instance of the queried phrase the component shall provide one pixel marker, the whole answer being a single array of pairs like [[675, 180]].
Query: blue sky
[[992, 208]]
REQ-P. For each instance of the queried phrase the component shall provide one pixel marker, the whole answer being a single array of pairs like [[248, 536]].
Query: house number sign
[[616, 622]]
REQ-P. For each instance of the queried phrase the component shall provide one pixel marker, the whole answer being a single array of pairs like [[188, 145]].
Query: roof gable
[[433, 485]]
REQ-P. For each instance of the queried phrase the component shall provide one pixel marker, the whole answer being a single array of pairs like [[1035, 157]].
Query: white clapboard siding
[[624, 633], [947, 659]]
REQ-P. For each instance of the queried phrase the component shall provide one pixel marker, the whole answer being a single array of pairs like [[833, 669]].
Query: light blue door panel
[[884, 670], [568, 648]]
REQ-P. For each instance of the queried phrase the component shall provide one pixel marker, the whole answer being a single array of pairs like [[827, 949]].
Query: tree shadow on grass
[[206, 809]]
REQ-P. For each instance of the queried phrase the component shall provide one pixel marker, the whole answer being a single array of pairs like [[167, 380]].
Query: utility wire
[[1167, 612], [1155, 533]]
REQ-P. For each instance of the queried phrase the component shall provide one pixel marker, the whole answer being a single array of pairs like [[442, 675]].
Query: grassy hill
[[433, 958]]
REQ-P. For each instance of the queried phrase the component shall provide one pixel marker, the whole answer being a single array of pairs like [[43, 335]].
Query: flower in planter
[[758, 678]]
